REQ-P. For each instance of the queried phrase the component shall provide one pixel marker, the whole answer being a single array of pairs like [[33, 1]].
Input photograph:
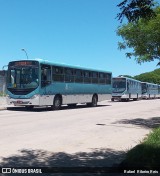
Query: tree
[[143, 37], [133, 10]]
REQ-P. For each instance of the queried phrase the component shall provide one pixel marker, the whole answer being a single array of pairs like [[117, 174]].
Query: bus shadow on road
[[41, 109], [149, 123], [82, 162]]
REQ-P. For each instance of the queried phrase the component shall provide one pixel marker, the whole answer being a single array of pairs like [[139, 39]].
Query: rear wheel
[[94, 101], [57, 103]]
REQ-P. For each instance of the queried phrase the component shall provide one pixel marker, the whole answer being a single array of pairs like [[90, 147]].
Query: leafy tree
[[143, 37], [133, 10]]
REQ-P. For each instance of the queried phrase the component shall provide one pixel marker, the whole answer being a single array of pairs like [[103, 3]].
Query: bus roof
[[64, 65], [119, 77], [150, 83]]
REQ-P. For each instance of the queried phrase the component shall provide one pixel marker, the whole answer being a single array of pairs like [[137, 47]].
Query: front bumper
[[35, 101]]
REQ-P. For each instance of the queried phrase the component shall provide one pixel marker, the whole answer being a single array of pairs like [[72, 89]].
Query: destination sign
[[23, 63]]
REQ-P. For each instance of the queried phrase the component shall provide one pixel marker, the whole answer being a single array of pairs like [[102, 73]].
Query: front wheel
[[56, 103]]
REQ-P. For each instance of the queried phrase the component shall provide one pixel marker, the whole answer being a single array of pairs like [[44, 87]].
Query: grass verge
[[146, 154]]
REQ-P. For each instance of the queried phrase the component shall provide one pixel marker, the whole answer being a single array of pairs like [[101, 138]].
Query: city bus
[[150, 90], [124, 89], [42, 83]]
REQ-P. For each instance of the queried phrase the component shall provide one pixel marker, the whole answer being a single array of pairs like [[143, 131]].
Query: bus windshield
[[23, 77], [119, 85]]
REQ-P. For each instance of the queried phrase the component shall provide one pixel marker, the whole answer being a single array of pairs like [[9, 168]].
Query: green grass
[[146, 154]]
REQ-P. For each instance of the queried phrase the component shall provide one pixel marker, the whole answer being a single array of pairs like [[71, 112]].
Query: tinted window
[[87, 77], [79, 76], [108, 78], [69, 75], [102, 79], [58, 74]]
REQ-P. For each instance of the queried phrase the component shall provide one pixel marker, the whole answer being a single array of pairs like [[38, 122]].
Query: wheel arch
[[60, 96], [95, 94]]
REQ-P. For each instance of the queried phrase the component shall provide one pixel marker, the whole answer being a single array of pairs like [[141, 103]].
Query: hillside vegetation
[[152, 77]]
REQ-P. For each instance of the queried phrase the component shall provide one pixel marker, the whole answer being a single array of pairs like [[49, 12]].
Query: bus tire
[[94, 101], [112, 99], [57, 102]]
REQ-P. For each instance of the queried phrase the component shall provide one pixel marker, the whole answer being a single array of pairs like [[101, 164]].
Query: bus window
[[69, 75], [79, 76], [87, 77], [128, 85], [102, 78], [58, 74], [108, 78], [12, 77], [94, 77]]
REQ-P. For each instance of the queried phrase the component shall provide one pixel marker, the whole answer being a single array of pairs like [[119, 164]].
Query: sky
[[75, 32]]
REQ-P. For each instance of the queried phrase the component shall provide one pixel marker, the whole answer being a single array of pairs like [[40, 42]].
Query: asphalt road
[[75, 136]]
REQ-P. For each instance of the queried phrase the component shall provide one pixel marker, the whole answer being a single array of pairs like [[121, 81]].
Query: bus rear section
[[150, 90], [124, 89]]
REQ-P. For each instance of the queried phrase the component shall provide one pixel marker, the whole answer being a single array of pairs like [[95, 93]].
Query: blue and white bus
[[150, 90], [124, 89], [42, 83]]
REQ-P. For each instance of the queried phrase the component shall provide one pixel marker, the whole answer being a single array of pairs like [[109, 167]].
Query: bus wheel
[[94, 101], [112, 99], [56, 103]]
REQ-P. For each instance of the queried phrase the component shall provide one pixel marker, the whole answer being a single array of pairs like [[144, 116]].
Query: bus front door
[[46, 98]]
